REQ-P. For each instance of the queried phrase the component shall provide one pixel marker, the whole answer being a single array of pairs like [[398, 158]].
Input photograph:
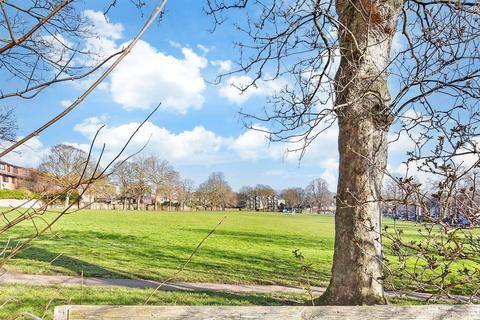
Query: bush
[[17, 194], [74, 198]]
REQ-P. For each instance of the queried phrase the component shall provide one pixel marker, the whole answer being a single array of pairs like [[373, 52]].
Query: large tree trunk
[[357, 267], [364, 118]]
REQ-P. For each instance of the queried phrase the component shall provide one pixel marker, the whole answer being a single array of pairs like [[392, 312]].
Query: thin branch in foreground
[[176, 273], [155, 13], [87, 182]]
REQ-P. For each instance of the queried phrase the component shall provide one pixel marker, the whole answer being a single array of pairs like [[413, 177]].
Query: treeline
[[150, 183], [316, 197]]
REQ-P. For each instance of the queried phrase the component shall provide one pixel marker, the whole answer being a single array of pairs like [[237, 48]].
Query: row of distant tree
[[153, 183], [315, 197], [150, 182]]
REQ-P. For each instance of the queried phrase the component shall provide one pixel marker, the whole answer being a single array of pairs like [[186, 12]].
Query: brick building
[[14, 177]]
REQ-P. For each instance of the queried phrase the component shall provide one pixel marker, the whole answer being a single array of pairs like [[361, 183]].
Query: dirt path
[[14, 278], [11, 278]]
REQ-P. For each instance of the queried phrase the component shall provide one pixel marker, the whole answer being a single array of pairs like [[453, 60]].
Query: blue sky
[[198, 128]]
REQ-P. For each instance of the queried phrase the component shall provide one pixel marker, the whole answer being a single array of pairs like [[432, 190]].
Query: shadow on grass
[[38, 300], [114, 255], [260, 238], [60, 260], [224, 298]]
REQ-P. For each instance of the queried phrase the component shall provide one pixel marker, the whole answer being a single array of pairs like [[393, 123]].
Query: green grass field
[[248, 247], [41, 301]]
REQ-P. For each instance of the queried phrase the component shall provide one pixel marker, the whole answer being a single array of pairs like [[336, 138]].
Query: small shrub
[[17, 194]]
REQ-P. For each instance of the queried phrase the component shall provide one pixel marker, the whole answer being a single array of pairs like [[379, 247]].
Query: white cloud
[[103, 35], [192, 59], [190, 146], [413, 169], [82, 146], [175, 44], [203, 48], [28, 155], [55, 48], [147, 77], [322, 148], [402, 142], [66, 103], [223, 65], [102, 27], [254, 145], [397, 43], [331, 179], [322, 152], [100, 48], [200, 146], [89, 127], [330, 164], [238, 90]]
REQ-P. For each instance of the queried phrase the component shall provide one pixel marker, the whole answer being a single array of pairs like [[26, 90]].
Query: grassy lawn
[[41, 301], [246, 248]]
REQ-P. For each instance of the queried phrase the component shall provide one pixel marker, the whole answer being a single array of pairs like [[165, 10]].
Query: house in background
[[14, 177]]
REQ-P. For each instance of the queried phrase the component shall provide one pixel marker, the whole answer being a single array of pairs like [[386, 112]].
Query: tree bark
[[364, 118]]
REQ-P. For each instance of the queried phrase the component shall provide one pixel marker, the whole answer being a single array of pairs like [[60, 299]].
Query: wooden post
[[391, 312]]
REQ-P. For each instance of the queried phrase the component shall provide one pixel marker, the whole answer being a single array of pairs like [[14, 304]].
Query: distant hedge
[[74, 197], [17, 194]]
